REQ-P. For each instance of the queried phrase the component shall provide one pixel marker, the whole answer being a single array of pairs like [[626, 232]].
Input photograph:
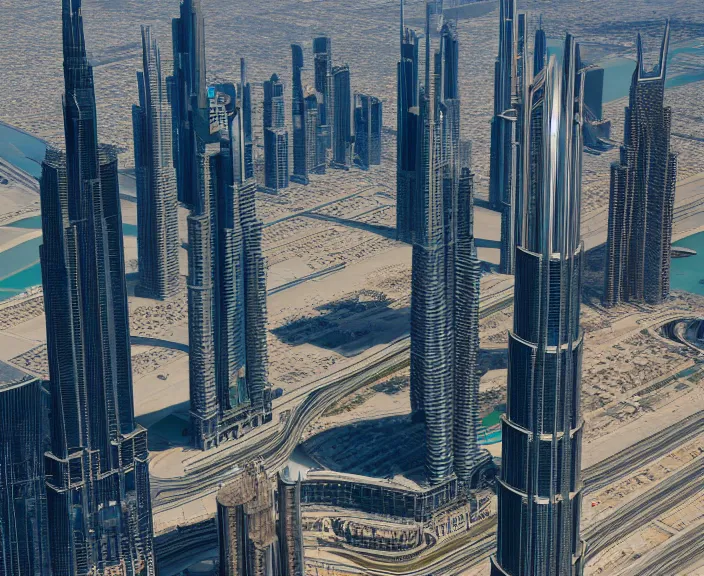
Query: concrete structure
[[260, 530], [275, 136], [188, 94], [24, 526], [406, 133], [642, 197], [367, 128], [99, 503], [540, 487], [506, 156], [157, 198]]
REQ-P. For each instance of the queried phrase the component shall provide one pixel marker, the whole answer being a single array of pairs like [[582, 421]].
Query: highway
[[646, 507], [276, 448], [641, 453]]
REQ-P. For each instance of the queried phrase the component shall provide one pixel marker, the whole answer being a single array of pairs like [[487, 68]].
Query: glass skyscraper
[[99, 504], [642, 196], [540, 486], [157, 200]]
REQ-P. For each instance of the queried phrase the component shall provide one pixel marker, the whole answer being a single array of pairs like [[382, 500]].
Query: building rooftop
[[11, 376]]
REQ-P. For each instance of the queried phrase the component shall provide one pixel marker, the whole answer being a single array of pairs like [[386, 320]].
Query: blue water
[[22, 150], [687, 273], [19, 266]]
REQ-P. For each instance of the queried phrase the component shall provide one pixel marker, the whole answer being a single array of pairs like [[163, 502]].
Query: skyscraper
[[187, 93], [367, 122], [315, 139], [301, 142], [290, 526], [642, 193], [24, 526], [342, 141], [157, 200], [245, 92], [406, 132], [227, 285], [322, 54], [275, 136], [506, 157], [540, 486], [445, 278], [99, 504]]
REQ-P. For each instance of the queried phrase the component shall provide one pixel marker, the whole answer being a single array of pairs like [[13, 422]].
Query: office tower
[[406, 132], [505, 145], [642, 193], [275, 159], [24, 538], [99, 504], [187, 94], [298, 118], [322, 55], [315, 139], [540, 486], [367, 123], [275, 136], [245, 91], [157, 199], [445, 278], [246, 519], [467, 454], [540, 49], [290, 526], [597, 131], [342, 117], [227, 284]]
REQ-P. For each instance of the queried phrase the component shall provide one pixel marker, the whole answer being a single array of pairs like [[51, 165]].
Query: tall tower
[[298, 119], [245, 103], [406, 133], [99, 504], [367, 128], [322, 54], [342, 117], [540, 487], [506, 157], [445, 277], [24, 527], [227, 284], [642, 193], [188, 94], [157, 201], [275, 136]]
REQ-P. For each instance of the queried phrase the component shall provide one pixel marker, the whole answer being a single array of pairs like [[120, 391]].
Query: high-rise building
[[245, 103], [275, 136], [301, 142], [188, 94], [540, 485], [227, 284], [290, 526], [342, 141], [367, 129], [445, 278], [642, 197], [506, 157], [322, 55], [259, 527], [24, 526], [406, 132], [157, 199], [315, 138], [99, 504]]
